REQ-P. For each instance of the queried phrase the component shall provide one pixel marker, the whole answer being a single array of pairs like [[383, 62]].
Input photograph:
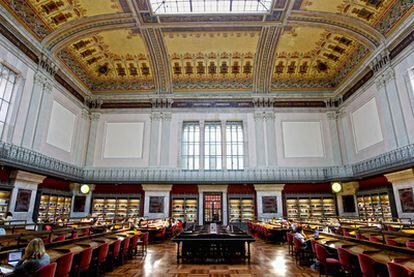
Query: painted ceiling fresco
[[377, 13], [122, 46], [43, 16], [314, 58], [115, 60], [212, 60]]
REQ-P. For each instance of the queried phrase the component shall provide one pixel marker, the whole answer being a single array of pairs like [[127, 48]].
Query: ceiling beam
[[265, 59], [158, 53]]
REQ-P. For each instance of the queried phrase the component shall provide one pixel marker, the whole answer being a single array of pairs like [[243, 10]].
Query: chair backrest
[[48, 228], [397, 270], [359, 236], [367, 265], [85, 259], [410, 244], [75, 235], [125, 245], [103, 252], [60, 237], [46, 240], [313, 244], [391, 242], [346, 233], [345, 258], [289, 237], [145, 238], [46, 270], [134, 241], [64, 264], [297, 244], [321, 253], [374, 238], [117, 248]]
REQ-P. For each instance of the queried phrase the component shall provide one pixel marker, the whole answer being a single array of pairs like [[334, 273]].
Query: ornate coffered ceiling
[[119, 46]]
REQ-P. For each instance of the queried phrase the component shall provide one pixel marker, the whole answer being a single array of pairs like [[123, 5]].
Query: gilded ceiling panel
[[212, 60], [381, 14], [115, 60], [314, 58], [41, 17]]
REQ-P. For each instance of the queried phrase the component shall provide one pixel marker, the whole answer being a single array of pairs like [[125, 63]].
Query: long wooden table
[[79, 245], [381, 256]]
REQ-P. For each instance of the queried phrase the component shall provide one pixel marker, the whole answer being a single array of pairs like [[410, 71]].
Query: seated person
[[34, 257], [300, 234]]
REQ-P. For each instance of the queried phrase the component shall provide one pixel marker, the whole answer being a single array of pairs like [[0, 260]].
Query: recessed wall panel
[[366, 125], [302, 139], [61, 126], [124, 140]]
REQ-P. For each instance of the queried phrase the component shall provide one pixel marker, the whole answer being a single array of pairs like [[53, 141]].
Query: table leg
[[248, 252], [178, 252]]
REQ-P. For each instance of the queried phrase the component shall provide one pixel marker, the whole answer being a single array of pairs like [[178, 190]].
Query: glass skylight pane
[[210, 6]]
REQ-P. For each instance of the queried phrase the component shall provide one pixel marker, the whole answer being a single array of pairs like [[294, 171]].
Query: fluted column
[[165, 138], [90, 154], [44, 114], [33, 111], [270, 139], [260, 141], [82, 138], [333, 128], [155, 138]]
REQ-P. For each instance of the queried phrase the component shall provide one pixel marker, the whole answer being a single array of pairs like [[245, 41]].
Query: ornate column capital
[[333, 115], [258, 115], [95, 116], [269, 115], [166, 116], [155, 116]]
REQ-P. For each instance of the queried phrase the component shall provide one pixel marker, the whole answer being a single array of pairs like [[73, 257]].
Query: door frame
[[221, 203]]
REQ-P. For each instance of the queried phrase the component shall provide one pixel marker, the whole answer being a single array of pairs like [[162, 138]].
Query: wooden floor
[[267, 260]]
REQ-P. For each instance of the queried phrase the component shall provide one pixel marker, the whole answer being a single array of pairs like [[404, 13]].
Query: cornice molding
[[25, 159]]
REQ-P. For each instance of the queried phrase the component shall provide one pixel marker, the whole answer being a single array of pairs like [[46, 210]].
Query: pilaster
[[23, 197], [165, 138], [45, 110], [333, 128], [155, 138], [348, 139], [90, 154], [82, 138], [269, 118], [260, 140], [403, 186], [33, 111]]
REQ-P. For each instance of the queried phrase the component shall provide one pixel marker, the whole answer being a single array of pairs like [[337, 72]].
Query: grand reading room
[[207, 138]]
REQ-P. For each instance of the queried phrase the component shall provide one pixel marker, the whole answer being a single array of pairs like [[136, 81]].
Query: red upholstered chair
[[360, 236], [133, 245], [346, 233], [390, 241], [289, 238], [374, 238], [75, 235], [60, 237], [397, 270], [48, 228], [101, 260], [125, 249], [64, 265], [113, 255], [329, 265], [143, 244], [301, 254], [410, 244], [367, 265], [161, 234], [46, 271], [46, 240], [349, 262], [85, 258]]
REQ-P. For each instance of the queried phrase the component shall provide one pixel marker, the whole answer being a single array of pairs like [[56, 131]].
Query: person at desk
[[34, 257], [302, 237]]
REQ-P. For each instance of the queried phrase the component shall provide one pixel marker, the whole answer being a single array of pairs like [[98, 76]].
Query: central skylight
[[210, 6]]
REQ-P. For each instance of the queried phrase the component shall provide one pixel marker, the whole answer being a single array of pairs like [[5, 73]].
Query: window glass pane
[[212, 146], [234, 145], [190, 146], [3, 111], [7, 81]]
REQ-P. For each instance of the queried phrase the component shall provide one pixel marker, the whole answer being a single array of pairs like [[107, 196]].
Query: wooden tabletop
[[379, 255]]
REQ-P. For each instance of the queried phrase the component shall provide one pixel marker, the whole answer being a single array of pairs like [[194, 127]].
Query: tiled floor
[[267, 260]]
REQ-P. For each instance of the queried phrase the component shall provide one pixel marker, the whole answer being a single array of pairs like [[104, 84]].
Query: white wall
[[122, 140]]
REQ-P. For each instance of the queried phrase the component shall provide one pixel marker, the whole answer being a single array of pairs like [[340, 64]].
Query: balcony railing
[[30, 160]]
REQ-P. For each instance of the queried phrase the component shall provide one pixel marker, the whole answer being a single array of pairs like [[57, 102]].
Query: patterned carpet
[[267, 260]]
